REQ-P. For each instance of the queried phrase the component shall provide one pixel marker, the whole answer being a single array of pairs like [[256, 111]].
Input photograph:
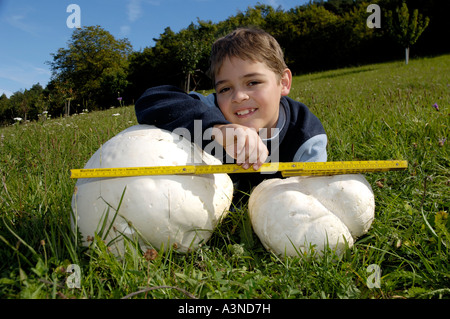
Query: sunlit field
[[375, 112]]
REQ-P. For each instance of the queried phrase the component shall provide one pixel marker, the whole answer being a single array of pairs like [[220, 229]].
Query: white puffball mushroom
[[160, 210], [291, 215]]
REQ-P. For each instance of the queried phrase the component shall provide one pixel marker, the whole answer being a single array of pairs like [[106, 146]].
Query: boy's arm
[[169, 108], [305, 140], [313, 150]]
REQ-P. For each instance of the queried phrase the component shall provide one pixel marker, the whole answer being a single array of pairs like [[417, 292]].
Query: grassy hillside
[[375, 112]]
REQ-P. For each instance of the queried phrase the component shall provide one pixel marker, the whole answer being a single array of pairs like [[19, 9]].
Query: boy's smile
[[248, 93], [245, 113]]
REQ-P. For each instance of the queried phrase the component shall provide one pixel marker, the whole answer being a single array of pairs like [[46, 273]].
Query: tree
[[176, 58], [5, 109], [18, 105], [194, 45], [314, 40], [155, 65], [35, 101], [405, 28], [93, 67]]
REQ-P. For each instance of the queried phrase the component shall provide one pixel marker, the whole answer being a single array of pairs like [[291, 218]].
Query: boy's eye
[[223, 90], [252, 83]]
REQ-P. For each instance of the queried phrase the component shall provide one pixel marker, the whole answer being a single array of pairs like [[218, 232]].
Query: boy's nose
[[240, 96]]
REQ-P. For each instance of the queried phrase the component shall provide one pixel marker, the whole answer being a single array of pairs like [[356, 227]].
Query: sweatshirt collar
[[280, 123]]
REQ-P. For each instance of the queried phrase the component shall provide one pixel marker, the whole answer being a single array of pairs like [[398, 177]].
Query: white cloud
[[124, 30], [22, 18], [23, 75], [134, 13], [19, 21], [41, 71], [273, 3], [153, 2], [134, 10]]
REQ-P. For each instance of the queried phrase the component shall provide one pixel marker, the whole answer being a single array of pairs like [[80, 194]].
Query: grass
[[382, 112]]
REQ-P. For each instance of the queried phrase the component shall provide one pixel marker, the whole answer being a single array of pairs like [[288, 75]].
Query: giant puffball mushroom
[[159, 210], [294, 214]]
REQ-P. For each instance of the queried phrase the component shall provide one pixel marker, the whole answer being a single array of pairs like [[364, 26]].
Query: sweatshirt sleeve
[[313, 150], [167, 107]]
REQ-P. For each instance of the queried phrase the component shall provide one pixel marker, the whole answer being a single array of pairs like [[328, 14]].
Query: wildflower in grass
[[116, 114], [44, 115], [436, 106], [442, 141], [18, 119]]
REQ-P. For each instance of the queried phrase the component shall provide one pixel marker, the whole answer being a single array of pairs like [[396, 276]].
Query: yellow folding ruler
[[286, 169]]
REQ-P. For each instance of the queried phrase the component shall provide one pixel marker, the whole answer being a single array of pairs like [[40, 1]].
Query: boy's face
[[248, 93]]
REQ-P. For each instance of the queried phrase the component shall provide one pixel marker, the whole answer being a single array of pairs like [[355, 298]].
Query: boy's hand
[[242, 143]]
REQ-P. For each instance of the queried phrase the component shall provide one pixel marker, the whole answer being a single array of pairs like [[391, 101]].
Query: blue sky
[[31, 30]]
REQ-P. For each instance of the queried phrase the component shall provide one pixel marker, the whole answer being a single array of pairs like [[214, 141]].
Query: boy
[[250, 112]]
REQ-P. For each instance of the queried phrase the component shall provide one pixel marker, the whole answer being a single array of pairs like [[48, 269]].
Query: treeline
[[97, 71]]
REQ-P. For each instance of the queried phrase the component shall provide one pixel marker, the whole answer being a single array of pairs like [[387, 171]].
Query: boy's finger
[[250, 152], [240, 139], [257, 154], [242, 156], [263, 153]]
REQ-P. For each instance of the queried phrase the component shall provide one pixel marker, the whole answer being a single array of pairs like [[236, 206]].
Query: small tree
[[193, 45], [189, 54], [406, 29]]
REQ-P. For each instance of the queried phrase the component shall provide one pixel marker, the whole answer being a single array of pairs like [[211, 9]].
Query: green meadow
[[374, 112]]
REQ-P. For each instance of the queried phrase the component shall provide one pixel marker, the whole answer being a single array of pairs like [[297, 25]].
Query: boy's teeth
[[245, 112]]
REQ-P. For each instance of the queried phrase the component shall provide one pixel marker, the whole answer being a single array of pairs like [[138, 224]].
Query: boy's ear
[[286, 82]]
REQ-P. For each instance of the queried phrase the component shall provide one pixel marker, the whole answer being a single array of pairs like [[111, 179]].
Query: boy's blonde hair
[[247, 44]]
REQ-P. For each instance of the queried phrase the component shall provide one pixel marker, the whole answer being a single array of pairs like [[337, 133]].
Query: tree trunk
[[68, 107], [188, 84], [407, 55]]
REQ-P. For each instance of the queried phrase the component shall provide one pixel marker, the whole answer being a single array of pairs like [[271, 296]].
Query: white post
[[407, 55]]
